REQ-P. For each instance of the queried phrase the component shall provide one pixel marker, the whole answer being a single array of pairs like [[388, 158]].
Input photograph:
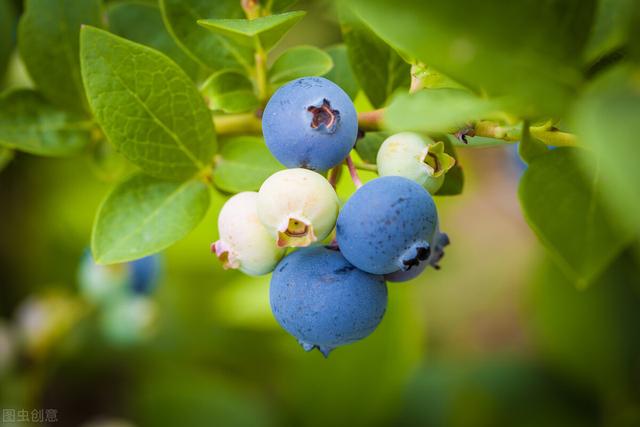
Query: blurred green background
[[498, 337]]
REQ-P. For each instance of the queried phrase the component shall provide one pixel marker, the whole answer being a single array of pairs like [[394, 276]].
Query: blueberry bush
[[325, 165]]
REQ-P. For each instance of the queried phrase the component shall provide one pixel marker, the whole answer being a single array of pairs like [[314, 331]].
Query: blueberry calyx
[[325, 350], [324, 116], [296, 233], [422, 253]]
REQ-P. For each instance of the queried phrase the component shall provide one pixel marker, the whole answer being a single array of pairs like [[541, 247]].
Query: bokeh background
[[497, 337]]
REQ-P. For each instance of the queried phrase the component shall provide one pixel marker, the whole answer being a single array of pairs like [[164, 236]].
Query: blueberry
[[415, 157], [244, 242], [324, 301], [387, 225], [102, 283], [129, 320], [298, 207], [310, 123], [145, 274]]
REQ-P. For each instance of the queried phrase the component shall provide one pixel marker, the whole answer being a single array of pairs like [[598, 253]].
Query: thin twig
[[353, 172], [334, 176]]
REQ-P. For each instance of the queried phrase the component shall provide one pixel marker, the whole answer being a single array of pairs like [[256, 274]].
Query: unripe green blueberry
[[42, 320], [415, 157], [244, 242], [129, 320], [298, 207]]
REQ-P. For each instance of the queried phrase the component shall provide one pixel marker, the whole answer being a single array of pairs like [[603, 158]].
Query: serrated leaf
[[534, 54], [211, 50], [146, 105], [267, 29], [6, 155], [30, 123], [300, 61], [142, 23], [606, 120], [48, 37], [369, 145], [341, 73], [230, 91], [562, 202], [437, 110], [7, 40], [243, 164], [379, 70], [144, 215]]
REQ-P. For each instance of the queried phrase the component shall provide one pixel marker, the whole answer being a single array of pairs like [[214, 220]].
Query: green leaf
[[268, 30], [146, 105], [611, 28], [341, 73], [144, 215], [437, 110], [6, 155], [562, 202], [454, 179], [230, 91], [7, 17], [527, 49], [378, 68], [606, 120], [369, 145], [530, 147], [142, 23], [211, 50], [243, 164], [48, 37], [30, 123], [300, 61]]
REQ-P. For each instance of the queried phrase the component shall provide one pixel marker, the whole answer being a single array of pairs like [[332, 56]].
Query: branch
[[249, 123]]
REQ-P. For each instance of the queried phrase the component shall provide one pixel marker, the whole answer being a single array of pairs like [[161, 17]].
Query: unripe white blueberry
[[244, 242], [298, 207], [415, 157]]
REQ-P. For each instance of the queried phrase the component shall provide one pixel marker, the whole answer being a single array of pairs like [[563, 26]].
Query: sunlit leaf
[[146, 105], [144, 215]]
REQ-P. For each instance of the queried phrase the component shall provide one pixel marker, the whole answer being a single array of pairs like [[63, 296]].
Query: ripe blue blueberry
[[145, 274], [387, 225], [324, 301], [310, 123]]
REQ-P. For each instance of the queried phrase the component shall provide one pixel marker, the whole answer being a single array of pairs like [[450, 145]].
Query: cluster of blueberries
[[333, 293], [122, 292]]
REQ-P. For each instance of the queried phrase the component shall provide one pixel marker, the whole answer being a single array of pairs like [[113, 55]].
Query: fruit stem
[[366, 167], [261, 71], [353, 172], [370, 120], [334, 176]]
